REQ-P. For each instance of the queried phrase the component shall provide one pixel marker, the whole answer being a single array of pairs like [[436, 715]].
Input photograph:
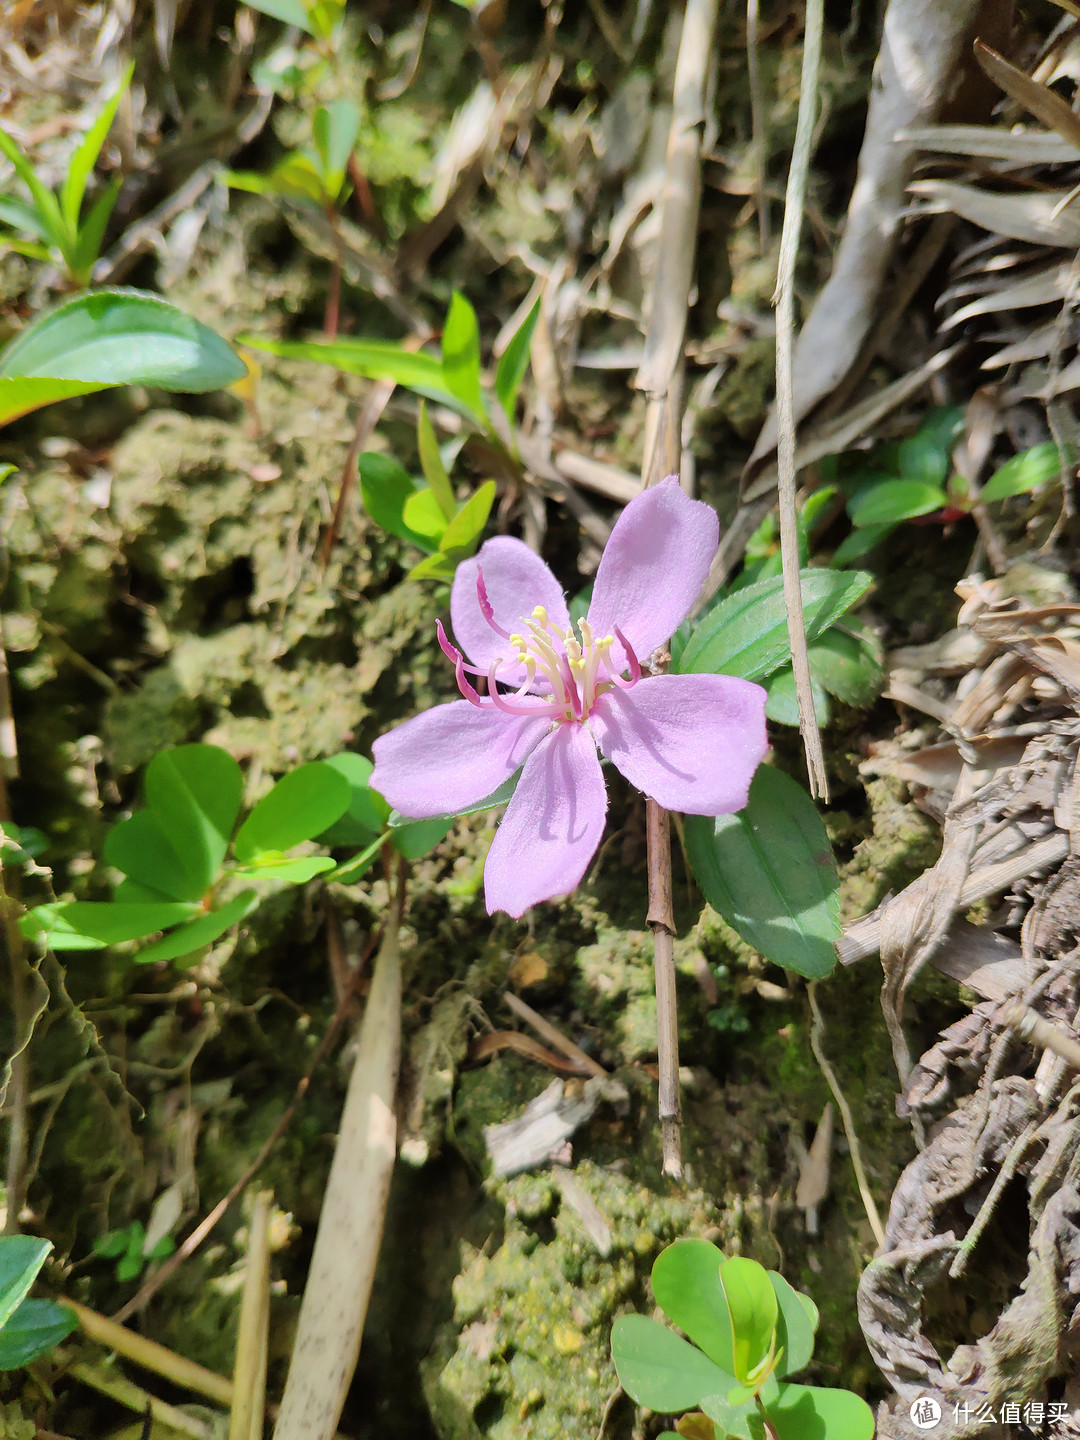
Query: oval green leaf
[[746, 634], [36, 1326], [21, 1257], [93, 924], [367, 812], [895, 500], [203, 931], [810, 1412], [753, 1310], [796, 1326], [1027, 471], [461, 355], [686, 1284], [195, 792], [848, 666], [769, 871], [386, 489], [141, 848], [301, 804], [660, 1369]]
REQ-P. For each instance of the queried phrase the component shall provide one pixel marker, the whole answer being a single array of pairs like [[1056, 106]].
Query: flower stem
[[661, 922]]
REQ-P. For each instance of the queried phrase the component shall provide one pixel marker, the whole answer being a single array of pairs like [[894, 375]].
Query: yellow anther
[[518, 640], [539, 613], [606, 643]]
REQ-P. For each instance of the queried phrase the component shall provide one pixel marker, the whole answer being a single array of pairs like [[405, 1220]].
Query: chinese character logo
[[925, 1413]]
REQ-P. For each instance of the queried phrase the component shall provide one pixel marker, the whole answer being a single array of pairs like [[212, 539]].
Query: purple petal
[[653, 567], [552, 825], [692, 742], [517, 580], [451, 757]]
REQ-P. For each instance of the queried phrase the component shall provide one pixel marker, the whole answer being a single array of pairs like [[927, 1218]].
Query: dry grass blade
[[988, 142], [1040, 100], [249, 1373], [1034, 216]]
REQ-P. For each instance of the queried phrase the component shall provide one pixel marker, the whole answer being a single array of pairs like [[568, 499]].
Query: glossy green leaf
[[514, 361], [769, 871], [942, 425], [19, 397], [423, 515], [416, 837], [385, 489], [434, 567], [374, 359], [923, 459], [753, 1310], [895, 500], [272, 866], [746, 634], [796, 1326], [141, 848], [123, 337], [1027, 471], [92, 232], [303, 803], [431, 463], [461, 355], [131, 892], [21, 1257], [296, 177], [782, 704], [848, 666], [195, 791], [810, 1412], [660, 1369], [686, 1284], [203, 931], [367, 812], [860, 543], [81, 164], [93, 924], [289, 12], [335, 128], [738, 1419], [45, 925], [461, 536], [36, 1326]]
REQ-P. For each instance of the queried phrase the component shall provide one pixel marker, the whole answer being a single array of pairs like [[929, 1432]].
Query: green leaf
[[860, 543], [203, 931], [131, 892], [45, 925], [432, 465], [21, 1257], [274, 867], [686, 1284], [752, 1307], [1027, 471], [374, 359], [769, 871], [19, 397], [782, 704], [122, 337], [45, 202], [461, 535], [848, 666], [85, 157], [510, 371], [92, 232], [367, 812], [660, 1369], [461, 355], [385, 489], [93, 924], [417, 837], [21, 215], [733, 1418], [423, 515], [895, 500], [301, 804], [795, 1326], [923, 459], [36, 1326], [113, 1243], [289, 12], [746, 634], [810, 1412], [140, 846], [335, 129], [434, 567], [195, 791]]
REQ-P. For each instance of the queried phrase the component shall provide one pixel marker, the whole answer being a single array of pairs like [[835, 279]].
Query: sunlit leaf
[[514, 361], [895, 500], [195, 791], [461, 354], [302, 803], [432, 465], [386, 489], [461, 536], [660, 1369], [752, 1308], [686, 1284], [1027, 471], [201, 932]]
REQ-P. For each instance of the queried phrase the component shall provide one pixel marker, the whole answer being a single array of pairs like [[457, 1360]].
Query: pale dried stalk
[[342, 1271], [152, 1356], [249, 1372], [784, 300], [661, 377]]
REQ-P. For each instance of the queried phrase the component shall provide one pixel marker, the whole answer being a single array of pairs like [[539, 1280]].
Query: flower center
[[565, 671]]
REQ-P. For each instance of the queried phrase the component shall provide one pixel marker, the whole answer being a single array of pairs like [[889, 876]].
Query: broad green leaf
[[45, 202], [123, 337], [460, 537], [36, 1326], [860, 543], [738, 1418], [943, 425], [795, 1326], [847, 666], [140, 846], [385, 489], [271, 866], [335, 128], [289, 12], [374, 359], [782, 704], [660, 1369], [203, 931], [195, 791], [753, 1310], [816, 504], [45, 925], [746, 634], [510, 371], [423, 515], [131, 892], [923, 459], [302, 803], [367, 812], [434, 567], [432, 465], [769, 871], [19, 397], [810, 1412], [895, 500], [417, 837], [105, 922], [21, 1257], [461, 355], [1026, 472], [686, 1284], [85, 157]]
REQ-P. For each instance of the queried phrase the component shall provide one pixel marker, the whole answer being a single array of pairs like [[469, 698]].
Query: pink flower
[[692, 742]]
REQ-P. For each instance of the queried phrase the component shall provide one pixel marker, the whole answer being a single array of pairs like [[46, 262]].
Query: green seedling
[[28, 1328], [320, 19], [54, 221], [748, 1332], [127, 1246]]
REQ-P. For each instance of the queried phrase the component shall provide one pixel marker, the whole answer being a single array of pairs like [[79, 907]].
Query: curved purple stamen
[[485, 605], [633, 664], [452, 653], [506, 702]]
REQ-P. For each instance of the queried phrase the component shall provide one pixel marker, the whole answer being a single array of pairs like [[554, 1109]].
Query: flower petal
[[451, 757], [517, 580], [692, 742], [653, 567], [552, 825]]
